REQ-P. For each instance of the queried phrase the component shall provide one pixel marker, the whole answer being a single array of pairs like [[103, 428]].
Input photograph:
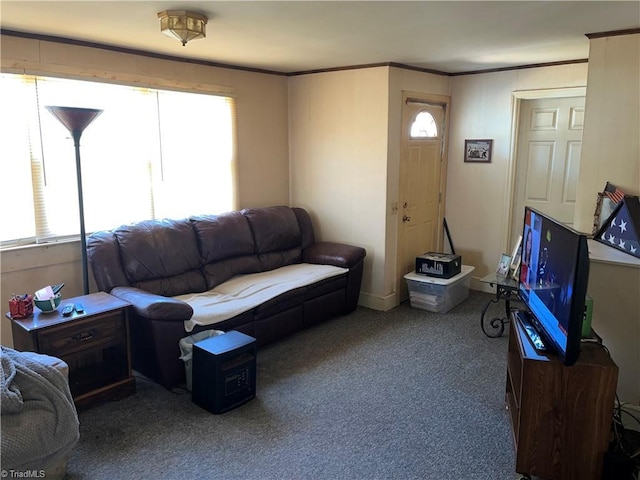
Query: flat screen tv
[[554, 274]]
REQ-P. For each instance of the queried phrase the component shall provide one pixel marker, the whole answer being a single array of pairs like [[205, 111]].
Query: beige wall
[[611, 152], [614, 283], [326, 107], [263, 156], [611, 136], [338, 123], [344, 151], [478, 194]]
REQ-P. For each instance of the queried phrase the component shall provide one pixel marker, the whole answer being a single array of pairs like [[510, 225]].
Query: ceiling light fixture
[[183, 25]]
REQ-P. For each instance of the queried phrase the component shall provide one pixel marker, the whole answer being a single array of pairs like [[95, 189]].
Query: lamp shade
[[183, 25], [75, 119]]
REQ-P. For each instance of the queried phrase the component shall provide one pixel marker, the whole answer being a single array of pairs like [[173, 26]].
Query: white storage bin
[[438, 294]]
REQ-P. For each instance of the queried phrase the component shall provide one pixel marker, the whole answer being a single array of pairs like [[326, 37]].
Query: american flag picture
[[613, 193], [620, 231]]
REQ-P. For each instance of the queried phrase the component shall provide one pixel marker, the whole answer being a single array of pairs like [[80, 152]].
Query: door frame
[[516, 98], [432, 99]]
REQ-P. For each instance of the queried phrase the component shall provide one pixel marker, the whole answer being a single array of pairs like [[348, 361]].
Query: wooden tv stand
[[560, 416]]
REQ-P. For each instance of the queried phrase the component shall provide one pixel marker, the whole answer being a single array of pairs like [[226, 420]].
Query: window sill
[[25, 257]]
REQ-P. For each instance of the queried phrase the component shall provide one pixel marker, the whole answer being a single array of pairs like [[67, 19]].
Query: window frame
[[40, 176], [433, 123]]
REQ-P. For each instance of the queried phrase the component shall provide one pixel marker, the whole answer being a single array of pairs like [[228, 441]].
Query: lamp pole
[[76, 120]]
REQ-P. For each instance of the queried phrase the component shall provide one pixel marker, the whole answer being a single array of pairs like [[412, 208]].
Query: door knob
[[405, 218]]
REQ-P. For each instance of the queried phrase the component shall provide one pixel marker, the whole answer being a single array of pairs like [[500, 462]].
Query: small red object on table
[[21, 306]]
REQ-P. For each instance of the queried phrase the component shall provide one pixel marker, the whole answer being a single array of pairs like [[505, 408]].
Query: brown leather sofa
[[149, 262]]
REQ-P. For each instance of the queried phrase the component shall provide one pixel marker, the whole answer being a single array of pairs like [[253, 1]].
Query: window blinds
[[150, 154]]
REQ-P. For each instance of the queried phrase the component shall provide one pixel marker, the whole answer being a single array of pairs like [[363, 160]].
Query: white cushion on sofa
[[245, 292]]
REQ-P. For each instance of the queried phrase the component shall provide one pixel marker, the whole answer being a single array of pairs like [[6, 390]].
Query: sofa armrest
[[337, 254], [155, 307]]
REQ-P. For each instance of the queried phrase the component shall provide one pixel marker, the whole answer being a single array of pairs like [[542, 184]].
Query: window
[[17, 212], [150, 154], [424, 126]]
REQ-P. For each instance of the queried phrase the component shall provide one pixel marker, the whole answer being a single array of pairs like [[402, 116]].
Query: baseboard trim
[[387, 302], [376, 302]]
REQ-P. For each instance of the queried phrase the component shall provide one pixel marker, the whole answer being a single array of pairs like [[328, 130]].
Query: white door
[[420, 209], [548, 158]]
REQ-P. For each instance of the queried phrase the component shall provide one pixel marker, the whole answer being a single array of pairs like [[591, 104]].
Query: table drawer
[[82, 335]]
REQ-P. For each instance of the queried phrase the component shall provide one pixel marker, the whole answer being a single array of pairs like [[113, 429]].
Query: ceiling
[[294, 36]]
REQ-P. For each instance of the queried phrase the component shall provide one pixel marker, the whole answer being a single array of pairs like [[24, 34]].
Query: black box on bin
[[440, 265], [224, 371]]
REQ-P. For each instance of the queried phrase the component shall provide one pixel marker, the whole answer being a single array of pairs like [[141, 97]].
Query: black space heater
[[224, 371]]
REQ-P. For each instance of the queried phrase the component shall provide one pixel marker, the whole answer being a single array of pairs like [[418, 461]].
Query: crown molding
[[612, 33], [161, 56]]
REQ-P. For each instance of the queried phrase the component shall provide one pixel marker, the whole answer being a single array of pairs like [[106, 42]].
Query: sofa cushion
[[103, 253], [273, 228], [272, 260], [306, 227], [226, 246], [161, 256], [283, 302], [219, 272], [246, 292], [223, 236]]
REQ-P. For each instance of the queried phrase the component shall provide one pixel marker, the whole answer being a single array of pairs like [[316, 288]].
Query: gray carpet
[[405, 394]]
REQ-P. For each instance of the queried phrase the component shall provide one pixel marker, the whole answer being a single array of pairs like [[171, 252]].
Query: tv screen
[[554, 274]]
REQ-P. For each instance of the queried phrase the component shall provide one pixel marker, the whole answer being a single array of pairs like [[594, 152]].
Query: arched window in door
[[424, 126]]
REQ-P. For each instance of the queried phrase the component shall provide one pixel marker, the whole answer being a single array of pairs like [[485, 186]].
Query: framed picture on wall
[[477, 151]]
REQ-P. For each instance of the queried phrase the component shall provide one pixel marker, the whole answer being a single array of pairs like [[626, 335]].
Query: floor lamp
[[76, 120]]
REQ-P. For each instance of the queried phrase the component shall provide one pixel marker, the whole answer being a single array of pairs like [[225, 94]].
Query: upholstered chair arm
[[337, 254], [155, 307]]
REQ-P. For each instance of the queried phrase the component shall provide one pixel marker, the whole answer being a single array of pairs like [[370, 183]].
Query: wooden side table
[[95, 345]]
